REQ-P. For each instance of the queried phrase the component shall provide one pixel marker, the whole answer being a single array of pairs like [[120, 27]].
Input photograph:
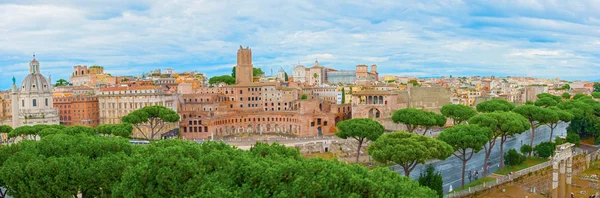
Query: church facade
[[32, 102]]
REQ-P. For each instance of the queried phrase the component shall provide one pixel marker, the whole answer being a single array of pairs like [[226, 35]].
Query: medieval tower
[[244, 68]]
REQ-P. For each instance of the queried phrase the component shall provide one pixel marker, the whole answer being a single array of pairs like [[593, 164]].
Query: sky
[[545, 38]]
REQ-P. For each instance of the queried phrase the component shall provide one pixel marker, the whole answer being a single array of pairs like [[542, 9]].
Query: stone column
[[554, 178], [561, 179], [569, 176]]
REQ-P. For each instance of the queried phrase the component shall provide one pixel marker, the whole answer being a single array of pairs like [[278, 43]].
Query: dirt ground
[[510, 192]]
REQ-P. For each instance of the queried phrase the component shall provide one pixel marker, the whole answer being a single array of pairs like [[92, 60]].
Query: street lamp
[[521, 142]]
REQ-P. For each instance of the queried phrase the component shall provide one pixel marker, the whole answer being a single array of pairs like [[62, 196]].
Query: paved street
[[451, 167]]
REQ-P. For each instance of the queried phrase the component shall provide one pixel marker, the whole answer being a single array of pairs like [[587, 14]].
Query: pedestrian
[[470, 176]]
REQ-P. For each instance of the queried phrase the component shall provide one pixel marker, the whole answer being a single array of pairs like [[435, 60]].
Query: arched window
[[34, 102], [23, 103]]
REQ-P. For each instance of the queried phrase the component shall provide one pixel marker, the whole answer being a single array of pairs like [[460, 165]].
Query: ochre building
[[253, 109]]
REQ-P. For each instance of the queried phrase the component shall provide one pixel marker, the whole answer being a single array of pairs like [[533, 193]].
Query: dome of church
[[35, 81]]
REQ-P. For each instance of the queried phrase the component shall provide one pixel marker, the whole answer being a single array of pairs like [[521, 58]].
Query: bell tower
[[244, 67]]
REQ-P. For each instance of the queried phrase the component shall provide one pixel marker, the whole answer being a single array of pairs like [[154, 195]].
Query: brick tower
[[243, 70]]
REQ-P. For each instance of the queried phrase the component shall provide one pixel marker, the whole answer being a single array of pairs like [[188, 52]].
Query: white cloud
[[433, 38]]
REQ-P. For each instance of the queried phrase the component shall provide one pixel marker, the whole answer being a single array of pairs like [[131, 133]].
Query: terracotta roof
[[122, 88]]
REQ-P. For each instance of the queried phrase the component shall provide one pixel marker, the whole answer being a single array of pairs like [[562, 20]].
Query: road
[[451, 168]]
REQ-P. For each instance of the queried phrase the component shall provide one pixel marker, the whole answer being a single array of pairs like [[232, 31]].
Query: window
[[240, 91], [231, 106], [23, 103], [184, 129], [190, 122], [325, 123], [34, 102], [312, 124], [205, 129]]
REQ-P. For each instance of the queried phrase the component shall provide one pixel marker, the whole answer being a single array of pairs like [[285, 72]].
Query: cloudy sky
[[544, 38]]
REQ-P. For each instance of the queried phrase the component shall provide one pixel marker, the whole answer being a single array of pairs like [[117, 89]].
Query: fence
[[498, 181], [508, 178]]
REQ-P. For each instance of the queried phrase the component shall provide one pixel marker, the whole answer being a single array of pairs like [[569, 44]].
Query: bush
[[525, 149], [433, 180], [558, 141], [544, 149], [512, 157], [573, 137]]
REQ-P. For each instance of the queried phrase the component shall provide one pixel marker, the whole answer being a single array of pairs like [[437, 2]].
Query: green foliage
[[495, 105], [536, 116], [513, 158], [546, 102], [304, 97], [566, 95], [433, 180], [573, 138], [286, 77], [343, 96], [414, 83], [5, 129], [63, 165], [61, 82], [578, 96], [221, 79], [174, 168], [544, 149], [121, 130], [565, 87], [557, 99], [596, 87], [526, 149], [465, 140], [503, 125], [415, 118], [408, 149], [233, 72], [558, 141], [153, 117], [596, 95], [458, 113], [257, 72], [360, 129]]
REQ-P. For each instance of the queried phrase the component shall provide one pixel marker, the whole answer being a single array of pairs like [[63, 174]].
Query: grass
[[531, 161], [477, 182], [324, 155]]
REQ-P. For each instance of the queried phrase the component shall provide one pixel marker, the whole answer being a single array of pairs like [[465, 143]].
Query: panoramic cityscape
[[314, 99]]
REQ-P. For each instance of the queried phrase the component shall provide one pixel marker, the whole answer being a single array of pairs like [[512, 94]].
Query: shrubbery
[[512, 157], [525, 149], [544, 149]]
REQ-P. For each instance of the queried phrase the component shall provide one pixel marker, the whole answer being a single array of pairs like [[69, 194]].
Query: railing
[[505, 179], [498, 181]]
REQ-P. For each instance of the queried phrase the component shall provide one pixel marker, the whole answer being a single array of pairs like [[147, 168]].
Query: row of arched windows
[[268, 119]]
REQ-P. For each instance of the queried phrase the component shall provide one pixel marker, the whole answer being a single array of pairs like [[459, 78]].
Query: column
[[569, 178], [554, 178], [561, 179]]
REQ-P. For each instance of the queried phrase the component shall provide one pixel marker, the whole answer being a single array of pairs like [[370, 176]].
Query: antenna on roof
[[33, 54]]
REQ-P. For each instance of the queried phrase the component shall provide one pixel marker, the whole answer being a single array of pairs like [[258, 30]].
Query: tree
[[121, 130], [257, 72], [233, 72], [495, 105], [360, 129], [562, 116], [544, 149], [558, 141], [514, 158], [343, 96], [176, 168], [304, 97], [503, 125], [286, 77], [596, 95], [596, 87], [433, 180], [525, 149], [415, 118], [61, 82], [557, 99], [458, 113], [4, 129], [466, 140], [414, 82], [153, 117], [536, 116], [566, 95], [221, 79], [566, 87], [573, 138], [578, 96], [408, 149], [545, 102]]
